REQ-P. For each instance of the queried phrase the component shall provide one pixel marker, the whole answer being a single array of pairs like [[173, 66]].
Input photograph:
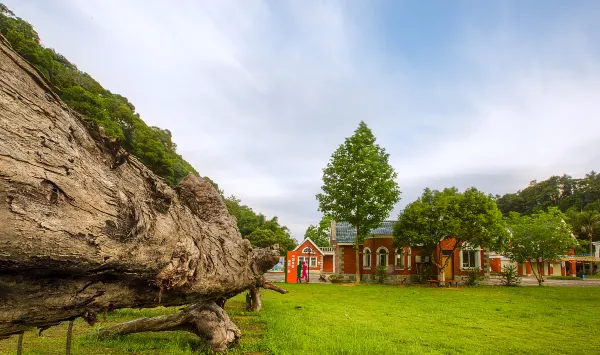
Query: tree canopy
[[153, 146], [319, 234], [539, 237], [359, 185], [570, 195], [471, 218], [260, 231], [564, 192]]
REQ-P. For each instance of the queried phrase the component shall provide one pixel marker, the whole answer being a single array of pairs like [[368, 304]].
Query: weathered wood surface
[[85, 228]]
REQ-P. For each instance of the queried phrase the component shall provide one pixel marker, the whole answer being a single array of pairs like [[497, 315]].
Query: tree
[[359, 186], [539, 237], [586, 222], [319, 234], [471, 219]]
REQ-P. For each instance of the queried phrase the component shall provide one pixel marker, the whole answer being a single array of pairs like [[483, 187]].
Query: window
[[367, 258], [382, 257], [307, 250], [409, 259], [313, 261], [469, 259], [400, 258], [300, 259]]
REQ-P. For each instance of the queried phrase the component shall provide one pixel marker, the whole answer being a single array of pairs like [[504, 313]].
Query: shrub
[[336, 279], [473, 277], [381, 274], [510, 275]]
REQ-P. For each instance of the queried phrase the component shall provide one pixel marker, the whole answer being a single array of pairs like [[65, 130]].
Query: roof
[[345, 232], [313, 243]]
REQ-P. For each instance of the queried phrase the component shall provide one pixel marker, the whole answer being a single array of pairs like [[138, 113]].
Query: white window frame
[[366, 257], [313, 261], [308, 250], [399, 254], [387, 256], [477, 252]]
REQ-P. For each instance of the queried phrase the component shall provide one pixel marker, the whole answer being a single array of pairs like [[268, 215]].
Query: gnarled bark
[[207, 320], [84, 227]]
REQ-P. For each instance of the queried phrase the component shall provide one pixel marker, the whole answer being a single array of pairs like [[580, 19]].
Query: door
[[449, 270]]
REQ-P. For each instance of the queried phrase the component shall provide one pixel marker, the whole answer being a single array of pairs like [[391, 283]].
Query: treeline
[[260, 231], [578, 199], [565, 192], [153, 146]]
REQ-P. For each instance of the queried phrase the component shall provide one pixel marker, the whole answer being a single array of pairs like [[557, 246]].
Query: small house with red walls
[[403, 262], [318, 258]]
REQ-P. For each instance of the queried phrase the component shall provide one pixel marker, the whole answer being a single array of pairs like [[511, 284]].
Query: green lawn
[[368, 319]]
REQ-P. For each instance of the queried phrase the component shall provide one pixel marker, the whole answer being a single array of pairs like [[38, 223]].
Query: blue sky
[[258, 94]]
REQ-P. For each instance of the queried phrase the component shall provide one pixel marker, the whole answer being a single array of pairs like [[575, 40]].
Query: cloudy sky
[[258, 94]]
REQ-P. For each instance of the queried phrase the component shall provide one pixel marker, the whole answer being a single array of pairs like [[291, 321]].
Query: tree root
[[207, 320]]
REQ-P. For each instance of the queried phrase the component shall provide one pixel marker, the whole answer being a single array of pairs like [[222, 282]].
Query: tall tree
[[586, 222], [320, 234], [538, 238], [359, 186], [471, 219]]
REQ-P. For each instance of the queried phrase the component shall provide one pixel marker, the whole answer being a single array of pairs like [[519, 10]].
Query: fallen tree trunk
[[85, 228], [207, 320]]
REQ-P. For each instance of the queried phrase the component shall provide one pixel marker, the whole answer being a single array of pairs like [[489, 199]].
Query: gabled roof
[[345, 232], [313, 243]]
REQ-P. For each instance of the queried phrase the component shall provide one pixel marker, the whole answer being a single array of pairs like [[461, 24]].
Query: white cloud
[[259, 94]]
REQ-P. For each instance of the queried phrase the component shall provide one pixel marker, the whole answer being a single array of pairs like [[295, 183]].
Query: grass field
[[369, 319]]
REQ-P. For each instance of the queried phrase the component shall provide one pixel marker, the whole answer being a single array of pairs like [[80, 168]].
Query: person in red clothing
[[304, 271]]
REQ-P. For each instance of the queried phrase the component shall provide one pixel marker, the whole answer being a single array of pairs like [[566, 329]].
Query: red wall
[[327, 263], [349, 258], [496, 264]]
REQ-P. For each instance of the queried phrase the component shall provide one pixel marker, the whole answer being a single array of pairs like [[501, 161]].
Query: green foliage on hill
[[564, 192], [568, 194], [256, 228], [151, 145]]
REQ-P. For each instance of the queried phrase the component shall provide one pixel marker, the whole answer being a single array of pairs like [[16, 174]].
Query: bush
[[336, 279], [510, 275], [473, 277], [381, 274]]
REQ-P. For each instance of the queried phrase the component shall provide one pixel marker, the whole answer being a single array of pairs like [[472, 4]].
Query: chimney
[[332, 233]]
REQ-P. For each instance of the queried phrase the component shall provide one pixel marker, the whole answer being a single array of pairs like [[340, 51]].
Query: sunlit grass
[[369, 319]]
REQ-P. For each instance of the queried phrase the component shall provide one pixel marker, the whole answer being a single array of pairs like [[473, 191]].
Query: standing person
[[304, 274], [299, 273]]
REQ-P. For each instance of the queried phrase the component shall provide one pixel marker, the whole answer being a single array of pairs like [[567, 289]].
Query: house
[[404, 262], [319, 259]]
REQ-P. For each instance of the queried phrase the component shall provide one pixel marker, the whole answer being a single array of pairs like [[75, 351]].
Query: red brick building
[[406, 262], [318, 259]]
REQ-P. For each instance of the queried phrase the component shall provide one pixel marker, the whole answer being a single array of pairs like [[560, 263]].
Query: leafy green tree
[[256, 228], [320, 234], [539, 237], [586, 222], [265, 237], [359, 186], [98, 106], [471, 219]]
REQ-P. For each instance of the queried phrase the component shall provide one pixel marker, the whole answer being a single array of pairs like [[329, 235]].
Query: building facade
[[403, 262]]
